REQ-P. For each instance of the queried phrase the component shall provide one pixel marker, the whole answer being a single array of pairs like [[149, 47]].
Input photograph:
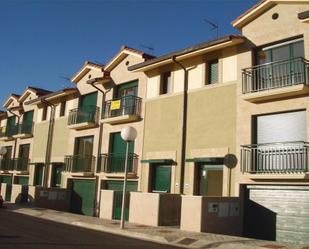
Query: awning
[[217, 160], [159, 161]]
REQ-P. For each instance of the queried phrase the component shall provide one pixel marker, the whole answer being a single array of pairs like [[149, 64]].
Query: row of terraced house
[[222, 126]]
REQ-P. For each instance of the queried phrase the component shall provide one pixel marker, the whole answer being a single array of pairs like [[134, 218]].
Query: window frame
[[164, 81]]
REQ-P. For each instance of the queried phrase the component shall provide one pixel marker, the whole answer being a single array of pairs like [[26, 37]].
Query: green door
[[161, 178], [210, 179], [38, 174], [127, 92], [27, 122], [23, 180], [87, 105], [83, 197], [8, 181], [10, 127], [7, 163], [23, 160], [56, 175], [116, 160], [117, 186]]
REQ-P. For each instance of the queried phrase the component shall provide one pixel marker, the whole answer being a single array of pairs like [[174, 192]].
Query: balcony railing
[[79, 115], [21, 164], [275, 75], [79, 164], [8, 131], [23, 128], [6, 164], [115, 163], [127, 105], [289, 157]]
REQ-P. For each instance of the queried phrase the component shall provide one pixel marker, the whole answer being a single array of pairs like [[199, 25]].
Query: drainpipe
[[184, 125], [49, 141], [92, 83]]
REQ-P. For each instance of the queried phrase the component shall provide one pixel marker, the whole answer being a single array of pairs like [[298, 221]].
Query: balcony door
[[27, 122], [83, 154], [10, 126], [87, 106], [7, 159], [128, 93], [117, 154], [23, 157]]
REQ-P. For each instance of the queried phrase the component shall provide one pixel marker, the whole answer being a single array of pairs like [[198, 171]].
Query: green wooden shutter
[[88, 101], [161, 178], [213, 72]]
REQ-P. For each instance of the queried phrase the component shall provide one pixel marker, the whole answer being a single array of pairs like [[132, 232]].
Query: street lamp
[[3, 151], [128, 134]]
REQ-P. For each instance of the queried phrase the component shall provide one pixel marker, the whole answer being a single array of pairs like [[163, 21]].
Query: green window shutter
[[213, 72], [88, 102]]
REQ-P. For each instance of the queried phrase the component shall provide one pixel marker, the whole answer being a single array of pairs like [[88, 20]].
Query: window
[[213, 73], [62, 108], [44, 114], [165, 85]]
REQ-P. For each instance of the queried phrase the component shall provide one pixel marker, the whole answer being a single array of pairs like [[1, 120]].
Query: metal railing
[[115, 163], [8, 131], [79, 163], [21, 164], [275, 75], [6, 164], [288, 157], [23, 128], [127, 105], [82, 115]]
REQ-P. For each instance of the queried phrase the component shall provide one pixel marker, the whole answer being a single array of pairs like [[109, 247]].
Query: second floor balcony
[[6, 164], [276, 80], [114, 163], [80, 164], [275, 158], [83, 118], [23, 130], [122, 110]]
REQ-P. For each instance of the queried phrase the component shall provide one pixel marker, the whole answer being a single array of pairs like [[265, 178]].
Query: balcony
[[276, 80], [122, 110], [275, 158], [79, 164], [21, 164], [82, 119], [7, 132], [6, 164], [114, 164], [23, 130]]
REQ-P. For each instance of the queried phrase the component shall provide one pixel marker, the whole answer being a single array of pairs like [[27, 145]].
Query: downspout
[[92, 83], [184, 125], [49, 141]]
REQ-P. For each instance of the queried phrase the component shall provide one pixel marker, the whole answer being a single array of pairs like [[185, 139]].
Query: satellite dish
[[3, 151]]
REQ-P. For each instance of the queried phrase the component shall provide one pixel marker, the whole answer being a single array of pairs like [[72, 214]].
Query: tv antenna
[[149, 48], [214, 26], [66, 81]]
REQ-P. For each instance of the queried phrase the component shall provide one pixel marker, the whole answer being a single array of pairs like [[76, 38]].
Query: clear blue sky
[[45, 40]]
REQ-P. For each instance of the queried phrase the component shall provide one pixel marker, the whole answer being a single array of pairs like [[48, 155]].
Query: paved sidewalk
[[166, 235]]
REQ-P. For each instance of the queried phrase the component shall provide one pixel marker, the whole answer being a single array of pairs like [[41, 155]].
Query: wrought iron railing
[[127, 105], [79, 163], [21, 164], [82, 115], [288, 157], [8, 131], [23, 128], [275, 75], [6, 164], [115, 163]]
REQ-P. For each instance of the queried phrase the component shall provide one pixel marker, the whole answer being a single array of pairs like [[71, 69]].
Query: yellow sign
[[115, 105], [3, 129]]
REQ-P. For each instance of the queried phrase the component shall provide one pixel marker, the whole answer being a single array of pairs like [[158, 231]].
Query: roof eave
[[51, 97]]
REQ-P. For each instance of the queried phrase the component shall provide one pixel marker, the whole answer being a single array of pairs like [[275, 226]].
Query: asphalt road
[[24, 232]]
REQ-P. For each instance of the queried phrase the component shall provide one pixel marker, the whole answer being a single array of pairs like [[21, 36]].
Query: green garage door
[[83, 196], [118, 187], [161, 178], [8, 192], [279, 213]]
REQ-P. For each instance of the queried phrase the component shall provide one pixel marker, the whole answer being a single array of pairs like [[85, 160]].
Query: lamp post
[[3, 151], [128, 134]]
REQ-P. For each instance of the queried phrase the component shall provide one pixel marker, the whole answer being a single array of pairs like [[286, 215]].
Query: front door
[[161, 178], [117, 186], [210, 179], [83, 196], [8, 180], [56, 175], [117, 153], [38, 174]]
